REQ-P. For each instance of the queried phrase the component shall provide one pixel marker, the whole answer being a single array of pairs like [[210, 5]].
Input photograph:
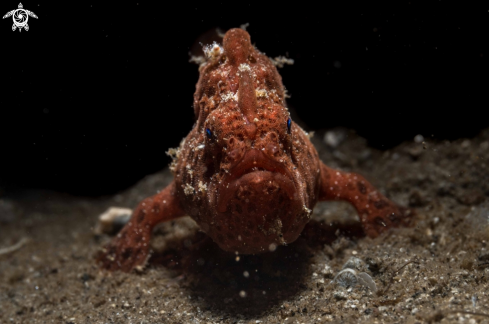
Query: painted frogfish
[[246, 173]]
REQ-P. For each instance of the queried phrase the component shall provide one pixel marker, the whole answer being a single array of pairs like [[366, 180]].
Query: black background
[[93, 95]]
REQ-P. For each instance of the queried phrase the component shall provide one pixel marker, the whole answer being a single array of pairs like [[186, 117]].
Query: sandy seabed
[[436, 271]]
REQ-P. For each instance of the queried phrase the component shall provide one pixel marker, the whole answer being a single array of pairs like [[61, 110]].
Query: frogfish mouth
[[256, 200]]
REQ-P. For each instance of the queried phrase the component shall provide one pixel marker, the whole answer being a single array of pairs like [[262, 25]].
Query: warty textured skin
[[245, 173]]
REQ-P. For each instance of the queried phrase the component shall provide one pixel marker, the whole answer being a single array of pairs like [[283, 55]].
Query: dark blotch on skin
[[379, 204], [141, 215], [126, 254], [362, 188]]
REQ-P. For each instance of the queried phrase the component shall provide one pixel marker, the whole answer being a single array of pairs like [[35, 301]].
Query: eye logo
[[20, 17]]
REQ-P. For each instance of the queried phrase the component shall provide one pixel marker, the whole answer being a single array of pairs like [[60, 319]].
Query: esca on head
[[237, 46]]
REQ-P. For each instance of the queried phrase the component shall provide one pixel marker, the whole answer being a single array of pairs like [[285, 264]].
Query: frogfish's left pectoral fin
[[377, 213]]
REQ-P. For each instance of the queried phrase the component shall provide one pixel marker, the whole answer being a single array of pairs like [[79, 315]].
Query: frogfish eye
[[289, 124], [209, 133]]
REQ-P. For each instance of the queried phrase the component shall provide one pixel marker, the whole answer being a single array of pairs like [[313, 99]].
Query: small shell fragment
[[112, 220], [367, 281], [346, 278]]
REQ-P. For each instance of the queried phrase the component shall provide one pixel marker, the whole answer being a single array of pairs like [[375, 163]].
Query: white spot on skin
[[244, 67], [229, 96], [202, 186], [261, 93], [174, 153], [188, 189]]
